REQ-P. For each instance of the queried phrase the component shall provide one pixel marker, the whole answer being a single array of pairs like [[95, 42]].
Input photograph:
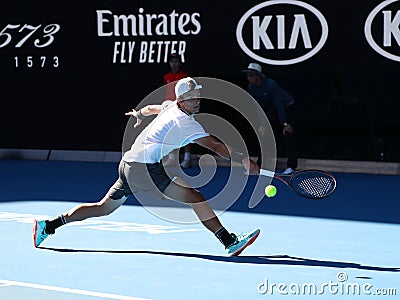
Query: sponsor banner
[[298, 34], [268, 25], [382, 29], [66, 67]]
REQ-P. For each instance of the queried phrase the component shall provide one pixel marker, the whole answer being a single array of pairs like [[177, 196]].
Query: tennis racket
[[312, 184]]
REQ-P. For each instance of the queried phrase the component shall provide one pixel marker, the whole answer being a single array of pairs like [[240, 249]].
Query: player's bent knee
[[195, 196]]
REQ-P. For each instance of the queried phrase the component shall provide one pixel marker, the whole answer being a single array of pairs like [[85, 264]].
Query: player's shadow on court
[[260, 259]]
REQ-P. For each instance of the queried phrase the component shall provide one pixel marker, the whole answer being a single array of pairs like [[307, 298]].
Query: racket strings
[[314, 185]]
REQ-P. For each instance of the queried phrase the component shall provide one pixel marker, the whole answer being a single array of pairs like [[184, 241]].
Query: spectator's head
[[254, 73], [174, 61]]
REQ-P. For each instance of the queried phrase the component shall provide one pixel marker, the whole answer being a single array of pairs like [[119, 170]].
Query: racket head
[[313, 184]]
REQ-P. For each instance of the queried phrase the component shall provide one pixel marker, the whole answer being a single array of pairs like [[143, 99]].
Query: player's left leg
[[115, 197], [42, 229], [90, 210]]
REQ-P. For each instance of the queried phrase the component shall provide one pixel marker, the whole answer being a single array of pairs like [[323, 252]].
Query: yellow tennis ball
[[270, 191]]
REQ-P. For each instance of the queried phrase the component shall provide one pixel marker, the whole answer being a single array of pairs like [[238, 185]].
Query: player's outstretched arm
[[227, 152], [146, 111]]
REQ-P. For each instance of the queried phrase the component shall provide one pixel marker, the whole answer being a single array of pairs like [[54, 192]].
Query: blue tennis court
[[344, 247]]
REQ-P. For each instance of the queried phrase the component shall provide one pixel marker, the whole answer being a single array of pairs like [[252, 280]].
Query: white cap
[[254, 68], [185, 85]]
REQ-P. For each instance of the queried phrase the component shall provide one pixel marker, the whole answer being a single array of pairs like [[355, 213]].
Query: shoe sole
[[34, 232], [251, 241]]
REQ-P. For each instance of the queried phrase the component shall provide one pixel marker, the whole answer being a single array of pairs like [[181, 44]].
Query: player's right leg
[[179, 190], [234, 244]]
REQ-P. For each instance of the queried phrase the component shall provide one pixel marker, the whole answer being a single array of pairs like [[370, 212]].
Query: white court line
[[68, 290], [101, 224]]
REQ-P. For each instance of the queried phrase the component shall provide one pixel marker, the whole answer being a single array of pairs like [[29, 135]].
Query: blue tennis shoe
[[39, 232], [242, 241]]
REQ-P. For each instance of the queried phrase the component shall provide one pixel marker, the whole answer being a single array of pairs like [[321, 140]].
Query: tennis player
[[141, 169]]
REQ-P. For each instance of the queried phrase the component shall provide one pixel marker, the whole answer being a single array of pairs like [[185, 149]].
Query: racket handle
[[267, 173]]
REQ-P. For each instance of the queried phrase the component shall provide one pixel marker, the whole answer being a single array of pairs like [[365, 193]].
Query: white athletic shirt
[[170, 130]]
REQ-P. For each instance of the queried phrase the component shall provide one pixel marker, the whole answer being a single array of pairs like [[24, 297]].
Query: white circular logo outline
[[316, 12], [368, 34]]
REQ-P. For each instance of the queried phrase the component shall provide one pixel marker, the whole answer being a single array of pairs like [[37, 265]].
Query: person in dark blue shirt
[[278, 105]]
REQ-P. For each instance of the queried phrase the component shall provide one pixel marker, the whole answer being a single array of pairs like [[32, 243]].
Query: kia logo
[[288, 32], [390, 29]]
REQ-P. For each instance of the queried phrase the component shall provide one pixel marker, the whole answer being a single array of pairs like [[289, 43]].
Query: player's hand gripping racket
[[312, 184]]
